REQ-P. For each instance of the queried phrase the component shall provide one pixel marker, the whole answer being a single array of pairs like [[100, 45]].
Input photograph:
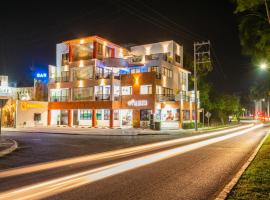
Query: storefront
[[18, 113]]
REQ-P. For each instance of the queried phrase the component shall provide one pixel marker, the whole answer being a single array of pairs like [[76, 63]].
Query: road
[[195, 167]]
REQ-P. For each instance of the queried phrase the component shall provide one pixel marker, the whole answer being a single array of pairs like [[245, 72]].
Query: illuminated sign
[[26, 105], [41, 75], [136, 103]]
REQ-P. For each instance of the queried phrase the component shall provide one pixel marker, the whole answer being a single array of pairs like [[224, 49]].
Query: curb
[[10, 149], [227, 189]]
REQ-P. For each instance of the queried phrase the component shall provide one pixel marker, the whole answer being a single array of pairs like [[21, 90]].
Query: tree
[[254, 29]]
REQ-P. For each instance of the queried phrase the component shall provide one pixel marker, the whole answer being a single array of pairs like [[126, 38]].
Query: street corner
[[7, 146]]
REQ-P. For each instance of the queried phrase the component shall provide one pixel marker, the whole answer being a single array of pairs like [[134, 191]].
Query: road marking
[[55, 186], [110, 154]]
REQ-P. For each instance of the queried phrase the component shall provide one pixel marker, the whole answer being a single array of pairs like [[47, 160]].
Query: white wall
[[25, 113]]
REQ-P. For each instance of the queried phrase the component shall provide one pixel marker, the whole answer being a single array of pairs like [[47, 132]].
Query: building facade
[[97, 83]]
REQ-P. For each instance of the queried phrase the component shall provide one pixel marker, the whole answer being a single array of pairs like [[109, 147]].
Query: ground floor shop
[[170, 118], [17, 113]]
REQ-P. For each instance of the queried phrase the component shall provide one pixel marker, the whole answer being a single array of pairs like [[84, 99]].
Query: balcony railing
[[80, 98], [102, 97], [103, 76], [163, 97], [59, 98], [59, 79]]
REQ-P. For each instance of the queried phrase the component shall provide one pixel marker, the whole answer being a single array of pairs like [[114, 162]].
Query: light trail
[[59, 185], [110, 154]]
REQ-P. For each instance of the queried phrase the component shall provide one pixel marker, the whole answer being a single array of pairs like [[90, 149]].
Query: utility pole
[[267, 10], [201, 57]]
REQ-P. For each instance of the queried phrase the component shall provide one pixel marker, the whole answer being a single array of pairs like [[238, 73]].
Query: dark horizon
[[29, 33]]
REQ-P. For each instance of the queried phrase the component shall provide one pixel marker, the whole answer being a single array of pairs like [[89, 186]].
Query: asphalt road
[[199, 173]]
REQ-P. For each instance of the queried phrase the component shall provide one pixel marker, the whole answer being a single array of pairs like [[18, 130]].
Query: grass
[[255, 181]]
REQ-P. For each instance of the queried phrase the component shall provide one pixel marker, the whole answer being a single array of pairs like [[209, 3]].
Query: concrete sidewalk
[[108, 131], [7, 146]]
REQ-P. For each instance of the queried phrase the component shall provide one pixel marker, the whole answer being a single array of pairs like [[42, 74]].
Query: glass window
[[37, 117], [177, 58], [83, 93], [83, 73], [126, 90], [116, 114], [146, 89], [145, 115], [106, 114], [82, 52], [99, 114], [135, 70], [85, 115]]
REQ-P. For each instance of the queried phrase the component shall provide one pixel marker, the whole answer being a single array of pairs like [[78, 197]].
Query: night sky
[[29, 32]]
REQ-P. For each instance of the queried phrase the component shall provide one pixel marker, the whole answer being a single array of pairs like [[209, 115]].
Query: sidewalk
[[7, 146], [108, 131]]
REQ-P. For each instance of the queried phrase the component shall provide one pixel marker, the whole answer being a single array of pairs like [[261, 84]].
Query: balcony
[[115, 62], [59, 79], [82, 98], [102, 97], [163, 97], [59, 98]]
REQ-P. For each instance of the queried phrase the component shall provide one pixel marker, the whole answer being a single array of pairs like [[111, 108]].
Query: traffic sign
[[208, 115]]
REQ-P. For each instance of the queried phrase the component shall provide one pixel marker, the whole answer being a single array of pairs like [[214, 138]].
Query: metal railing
[[102, 97], [80, 98], [59, 79], [59, 98], [164, 97]]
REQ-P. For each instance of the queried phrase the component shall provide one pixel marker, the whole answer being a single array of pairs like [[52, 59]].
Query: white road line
[[55, 186]]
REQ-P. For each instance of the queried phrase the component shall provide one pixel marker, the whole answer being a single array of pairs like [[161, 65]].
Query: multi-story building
[[97, 83]]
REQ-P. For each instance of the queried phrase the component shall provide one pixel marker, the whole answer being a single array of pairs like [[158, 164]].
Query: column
[[190, 110], [181, 114], [94, 118], [69, 118], [111, 118], [49, 118]]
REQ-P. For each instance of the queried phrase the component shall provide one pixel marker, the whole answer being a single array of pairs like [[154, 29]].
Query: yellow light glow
[[81, 63], [66, 68], [183, 87], [136, 80], [121, 52], [102, 82], [81, 83], [58, 85], [81, 41], [165, 47], [147, 50]]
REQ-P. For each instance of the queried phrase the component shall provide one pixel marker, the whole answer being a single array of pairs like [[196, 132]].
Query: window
[[85, 115], [135, 70], [65, 59], [106, 114], [146, 89], [116, 114], [183, 80], [167, 72], [108, 52], [37, 117], [83, 93], [167, 91], [83, 73], [153, 69], [145, 115], [126, 90], [99, 114], [177, 58], [99, 49]]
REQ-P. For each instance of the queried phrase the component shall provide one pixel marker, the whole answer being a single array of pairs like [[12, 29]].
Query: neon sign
[[136, 103], [41, 75]]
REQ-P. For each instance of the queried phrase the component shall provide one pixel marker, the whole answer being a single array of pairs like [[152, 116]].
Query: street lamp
[[263, 66]]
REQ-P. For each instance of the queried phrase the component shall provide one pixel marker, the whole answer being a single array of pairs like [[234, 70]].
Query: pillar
[[69, 118], [190, 111], [111, 118], [94, 118], [49, 118], [181, 114]]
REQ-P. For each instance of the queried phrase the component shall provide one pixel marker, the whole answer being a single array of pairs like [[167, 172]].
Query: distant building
[[97, 83]]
